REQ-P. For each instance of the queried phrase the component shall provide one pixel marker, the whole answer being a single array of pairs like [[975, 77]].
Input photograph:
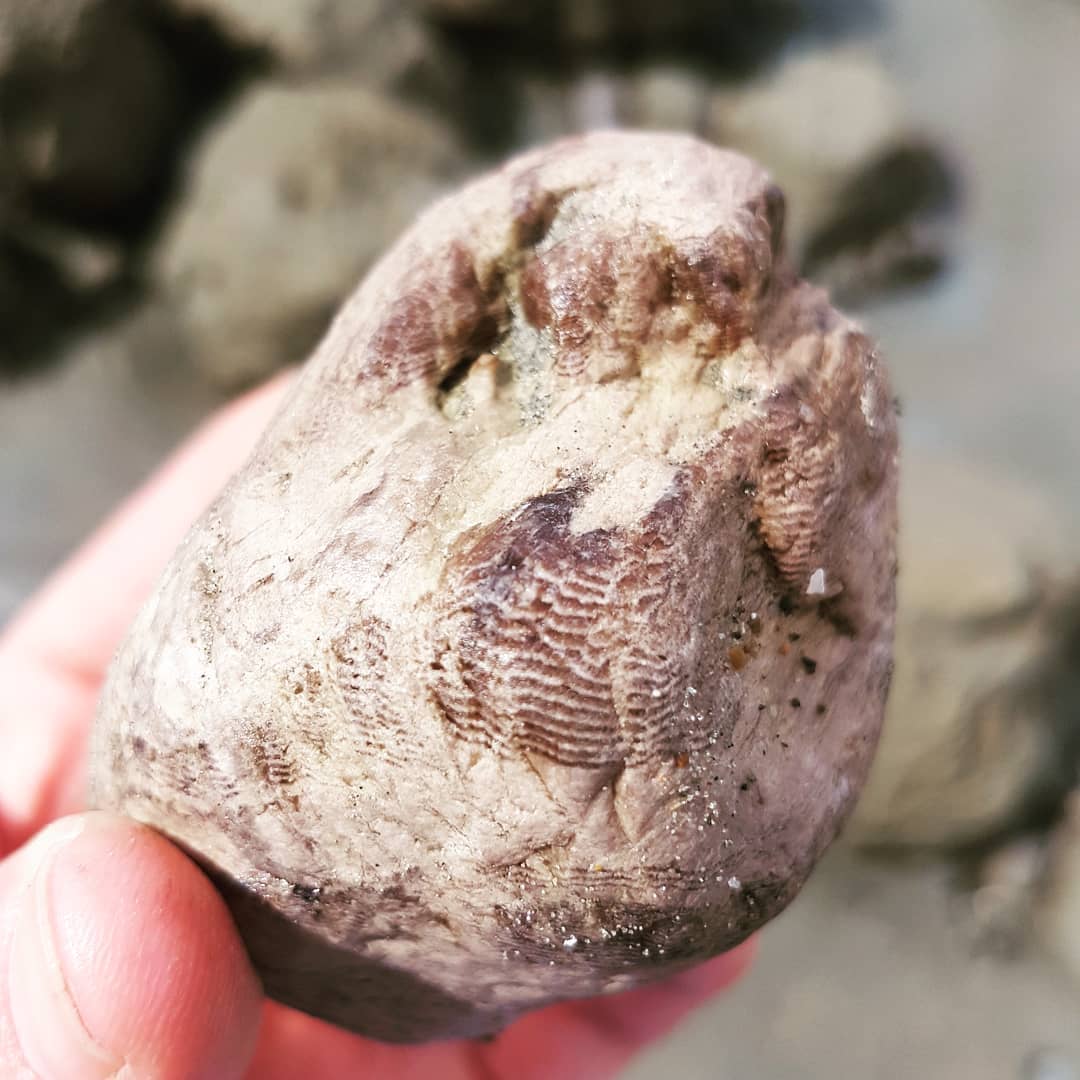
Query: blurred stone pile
[[202, 181], [984, 731], [230, 168], [980, 757]]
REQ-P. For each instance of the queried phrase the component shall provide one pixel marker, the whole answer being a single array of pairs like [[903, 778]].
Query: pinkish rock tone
[[541, 647]]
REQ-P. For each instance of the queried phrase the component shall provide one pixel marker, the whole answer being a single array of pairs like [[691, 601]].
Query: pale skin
[[117, 958]]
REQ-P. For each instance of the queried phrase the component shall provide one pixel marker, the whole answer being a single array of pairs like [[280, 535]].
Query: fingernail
[[51, 1033]]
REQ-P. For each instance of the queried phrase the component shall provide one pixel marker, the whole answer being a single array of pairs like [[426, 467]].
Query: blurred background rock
[[188, 188]]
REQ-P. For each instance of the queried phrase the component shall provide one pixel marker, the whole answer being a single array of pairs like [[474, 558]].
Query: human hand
[[120, 958]]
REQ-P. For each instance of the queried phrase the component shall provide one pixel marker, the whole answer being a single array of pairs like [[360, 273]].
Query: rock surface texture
[[542, 645]]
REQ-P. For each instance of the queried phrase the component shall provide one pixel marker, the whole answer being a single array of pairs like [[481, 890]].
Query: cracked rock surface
[[531, 656]]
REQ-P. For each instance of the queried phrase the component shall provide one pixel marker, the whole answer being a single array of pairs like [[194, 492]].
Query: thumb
[[118, 959]]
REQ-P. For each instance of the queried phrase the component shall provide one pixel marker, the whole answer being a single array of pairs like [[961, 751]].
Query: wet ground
[[872, 974]]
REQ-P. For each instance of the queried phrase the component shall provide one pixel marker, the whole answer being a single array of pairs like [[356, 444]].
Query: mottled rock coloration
[[542, 645]]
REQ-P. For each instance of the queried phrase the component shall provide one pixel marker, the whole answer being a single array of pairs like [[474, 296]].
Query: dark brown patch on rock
[[445, 314], [596, 681], [534, 210], [814, 433]]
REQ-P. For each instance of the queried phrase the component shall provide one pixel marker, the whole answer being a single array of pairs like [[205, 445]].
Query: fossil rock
[[291, 198], [541, 647], [987, 685]]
